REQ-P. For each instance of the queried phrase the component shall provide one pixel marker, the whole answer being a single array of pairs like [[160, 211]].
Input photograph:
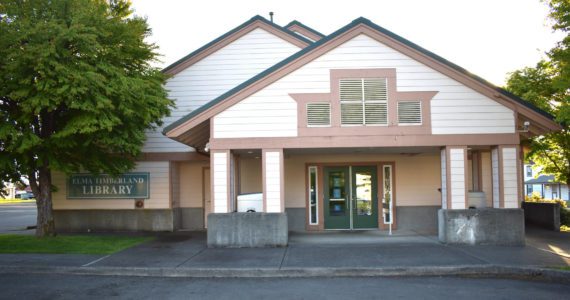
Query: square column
[[220, 180], [507, 179], [273, 181], [454, 177]]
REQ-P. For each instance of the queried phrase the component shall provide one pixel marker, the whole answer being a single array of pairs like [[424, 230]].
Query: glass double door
[[351, 197]]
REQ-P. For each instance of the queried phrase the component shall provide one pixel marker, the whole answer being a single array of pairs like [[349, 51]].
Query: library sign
[[103, 186]]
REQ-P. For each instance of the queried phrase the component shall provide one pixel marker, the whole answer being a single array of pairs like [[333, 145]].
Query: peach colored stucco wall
[[487, 177], [191, 183], [159, 191], [417, 177], [250, 175]]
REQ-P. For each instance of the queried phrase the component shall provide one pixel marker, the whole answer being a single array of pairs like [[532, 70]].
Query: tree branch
[[553, 162]]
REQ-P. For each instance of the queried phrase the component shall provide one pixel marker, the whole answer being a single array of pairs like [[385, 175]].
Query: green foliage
[[74, 244], [534, 85], [564, 212], [535, 197], [547, 86], [77, 90]]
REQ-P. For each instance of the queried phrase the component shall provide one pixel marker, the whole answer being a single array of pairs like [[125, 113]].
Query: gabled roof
[[305, 30], [232, 35], [247, 88], [541, 179]]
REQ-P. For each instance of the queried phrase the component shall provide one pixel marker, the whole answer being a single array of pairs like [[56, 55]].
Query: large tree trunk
[[42, 191]]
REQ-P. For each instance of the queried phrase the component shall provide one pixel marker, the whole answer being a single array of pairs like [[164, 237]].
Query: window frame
[[316, 184], [333, 97], [410, 124], [307, 113], [528, 168], [363, 101]]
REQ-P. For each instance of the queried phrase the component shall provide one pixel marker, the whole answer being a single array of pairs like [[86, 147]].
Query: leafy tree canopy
[[547, 85], [77, 91]]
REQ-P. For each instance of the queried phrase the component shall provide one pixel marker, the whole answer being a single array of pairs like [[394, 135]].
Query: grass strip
[[68, 244]]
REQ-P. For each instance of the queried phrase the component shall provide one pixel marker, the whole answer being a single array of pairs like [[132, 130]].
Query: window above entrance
[[364, 102]]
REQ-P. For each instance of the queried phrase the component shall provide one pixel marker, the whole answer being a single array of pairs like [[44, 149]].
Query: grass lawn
[[13, 201], [68, 244]]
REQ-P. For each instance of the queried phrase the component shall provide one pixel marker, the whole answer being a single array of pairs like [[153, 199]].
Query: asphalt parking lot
[[14, 218]]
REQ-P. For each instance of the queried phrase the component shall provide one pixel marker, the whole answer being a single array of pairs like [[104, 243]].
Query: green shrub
[[564, 212], [535, 197]]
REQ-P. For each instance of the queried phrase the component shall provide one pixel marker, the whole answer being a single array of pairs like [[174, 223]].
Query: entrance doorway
[[351, 197]]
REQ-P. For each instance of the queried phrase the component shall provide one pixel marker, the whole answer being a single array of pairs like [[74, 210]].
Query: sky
[[489, 38]]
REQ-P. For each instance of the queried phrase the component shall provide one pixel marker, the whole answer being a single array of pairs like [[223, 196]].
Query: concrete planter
[[487, 226], [113, 220], [247, 230], [546, 215]]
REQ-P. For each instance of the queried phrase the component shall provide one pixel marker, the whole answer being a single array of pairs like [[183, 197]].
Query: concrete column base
[[546, 215], [247, 230], [488, 226]]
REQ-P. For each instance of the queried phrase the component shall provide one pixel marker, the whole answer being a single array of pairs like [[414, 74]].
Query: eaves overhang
[[228, 37], [498, 94]]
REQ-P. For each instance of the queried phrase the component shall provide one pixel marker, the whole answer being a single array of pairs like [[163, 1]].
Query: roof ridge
[[232, 31], [453, 66], [295, 22]]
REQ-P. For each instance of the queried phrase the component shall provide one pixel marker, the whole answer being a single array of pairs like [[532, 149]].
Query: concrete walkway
[[186, 251], [329, 249]]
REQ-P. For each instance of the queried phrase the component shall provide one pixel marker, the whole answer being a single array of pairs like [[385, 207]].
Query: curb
[[498, 271]]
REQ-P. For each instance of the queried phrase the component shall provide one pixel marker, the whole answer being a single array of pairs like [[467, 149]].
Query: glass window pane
[[387, 199], [337, 194], [363, 193], [313, 195]]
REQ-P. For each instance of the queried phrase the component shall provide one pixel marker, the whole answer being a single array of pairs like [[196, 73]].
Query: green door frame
[[341, 212], [337, 213], [366, 218]]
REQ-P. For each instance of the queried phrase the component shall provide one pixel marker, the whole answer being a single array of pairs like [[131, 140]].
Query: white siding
[[273, 182], [456, 109], [457, 181], [510, 181], [220, 182], [564, 192], [232, 183], [443, 179], [215, 75], [495, 174], [159, 191], [308, 38]]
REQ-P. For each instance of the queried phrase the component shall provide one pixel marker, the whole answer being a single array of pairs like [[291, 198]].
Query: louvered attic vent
[[318, 114], [410, 113], [364, 101]]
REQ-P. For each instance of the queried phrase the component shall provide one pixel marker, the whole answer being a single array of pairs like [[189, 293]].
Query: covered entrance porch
[[397, 188]]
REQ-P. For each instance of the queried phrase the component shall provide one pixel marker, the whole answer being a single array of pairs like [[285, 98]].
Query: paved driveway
[[55, 286], [14, 218], [329, 249]]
